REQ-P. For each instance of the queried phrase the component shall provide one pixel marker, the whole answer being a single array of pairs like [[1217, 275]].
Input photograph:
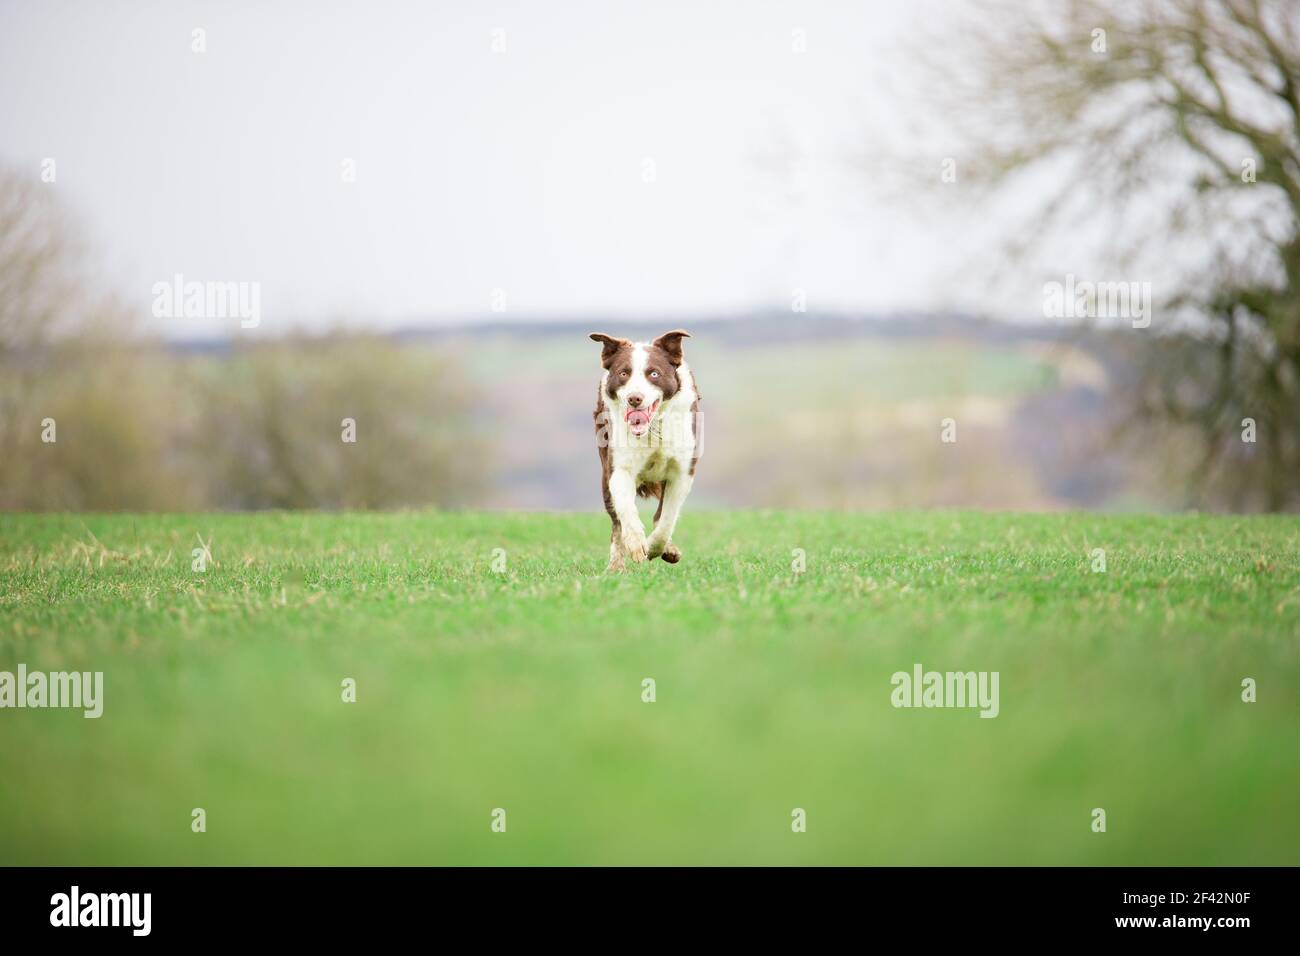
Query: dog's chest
[[644, 464], [669, 447], [654, 467]]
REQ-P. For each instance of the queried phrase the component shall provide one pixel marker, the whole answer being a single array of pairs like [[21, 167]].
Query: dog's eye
[[623, 373], [654, 374]]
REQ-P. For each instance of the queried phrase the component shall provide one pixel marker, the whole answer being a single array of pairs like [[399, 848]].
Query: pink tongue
[[638, 416]]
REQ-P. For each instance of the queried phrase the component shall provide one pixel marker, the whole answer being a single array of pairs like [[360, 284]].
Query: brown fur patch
[[610, 346], [606, 466], [657, 360], [670, 343], [652, 489]]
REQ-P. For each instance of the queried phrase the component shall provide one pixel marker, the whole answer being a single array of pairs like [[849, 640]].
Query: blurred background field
[[829, 413], [822, 412], [522, 690]]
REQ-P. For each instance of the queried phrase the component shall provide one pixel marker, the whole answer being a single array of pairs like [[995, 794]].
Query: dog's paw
[[634, 546], [616, 565], [671, 553]]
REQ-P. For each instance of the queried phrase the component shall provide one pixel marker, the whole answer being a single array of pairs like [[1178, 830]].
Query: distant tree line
[[96, 416]]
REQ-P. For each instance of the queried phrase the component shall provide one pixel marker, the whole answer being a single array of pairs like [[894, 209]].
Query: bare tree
[[1169, 132], [35, 255], [134, 425], [68, 358]]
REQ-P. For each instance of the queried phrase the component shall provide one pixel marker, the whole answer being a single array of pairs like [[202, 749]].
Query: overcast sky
[[475, 170]]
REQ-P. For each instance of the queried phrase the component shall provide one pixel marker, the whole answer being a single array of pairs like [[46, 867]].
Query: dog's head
[[639, 378]]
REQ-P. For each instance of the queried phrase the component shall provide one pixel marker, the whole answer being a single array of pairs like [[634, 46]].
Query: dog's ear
[[611, 346], [671, 342]]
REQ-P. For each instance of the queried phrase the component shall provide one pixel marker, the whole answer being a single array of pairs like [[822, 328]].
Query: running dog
[[647, 433]]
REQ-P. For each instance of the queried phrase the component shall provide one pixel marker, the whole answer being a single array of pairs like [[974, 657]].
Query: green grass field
[[523, 690]]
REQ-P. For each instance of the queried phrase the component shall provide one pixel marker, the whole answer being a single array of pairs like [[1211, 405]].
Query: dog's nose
[[635, 400]]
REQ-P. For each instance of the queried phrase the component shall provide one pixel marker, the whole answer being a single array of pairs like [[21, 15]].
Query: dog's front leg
[[622, 489], [660, 541]]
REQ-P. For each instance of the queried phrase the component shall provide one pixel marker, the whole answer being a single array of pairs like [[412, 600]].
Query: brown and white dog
[[647, 432]]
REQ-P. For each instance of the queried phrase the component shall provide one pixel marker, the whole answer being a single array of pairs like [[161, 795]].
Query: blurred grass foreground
[[479, 689]]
